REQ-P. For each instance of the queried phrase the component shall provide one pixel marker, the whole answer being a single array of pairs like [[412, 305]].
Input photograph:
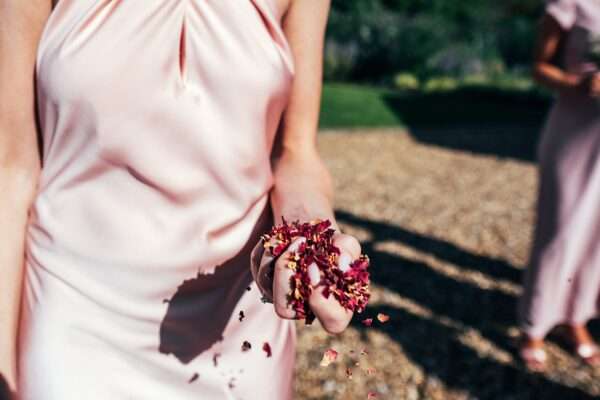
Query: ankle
[[532, 342], [580, 334]]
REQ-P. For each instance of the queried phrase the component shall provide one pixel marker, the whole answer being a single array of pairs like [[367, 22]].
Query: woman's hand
[[333, 317], [589, 85], [274, 279]]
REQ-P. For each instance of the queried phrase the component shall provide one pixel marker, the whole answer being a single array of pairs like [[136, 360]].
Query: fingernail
[[295, 245], [344, 261], [314, 274]]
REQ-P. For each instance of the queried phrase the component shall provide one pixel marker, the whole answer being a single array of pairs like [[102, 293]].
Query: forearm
[[302, 189], [17, 187], [555, 78]]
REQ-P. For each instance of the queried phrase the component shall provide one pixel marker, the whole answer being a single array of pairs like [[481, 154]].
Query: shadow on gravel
[[461, 309], [442, 355], [443, 250], [505, 123]]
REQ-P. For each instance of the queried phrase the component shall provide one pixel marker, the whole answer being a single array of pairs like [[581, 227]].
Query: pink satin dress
[[158, 118], [562, 284]]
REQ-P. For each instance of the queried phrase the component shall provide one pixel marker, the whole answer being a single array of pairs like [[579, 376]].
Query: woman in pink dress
[[562, 285], [174, 133]]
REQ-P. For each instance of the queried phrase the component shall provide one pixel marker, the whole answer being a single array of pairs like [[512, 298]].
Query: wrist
[[573, 82]]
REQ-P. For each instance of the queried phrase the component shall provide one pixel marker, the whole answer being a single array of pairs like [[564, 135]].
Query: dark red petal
[[246, 345], [267, 349]]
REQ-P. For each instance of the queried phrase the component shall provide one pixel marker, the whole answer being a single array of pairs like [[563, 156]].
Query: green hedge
[[373, 40]]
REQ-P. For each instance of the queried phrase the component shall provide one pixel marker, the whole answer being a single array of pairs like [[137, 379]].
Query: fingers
[[591, 85], [333, 317], [262, 270], [314, 273], [281, 281], [349, 250], [595, 86]]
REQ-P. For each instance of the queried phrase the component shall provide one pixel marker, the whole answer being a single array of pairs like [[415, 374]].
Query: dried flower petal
[[216, 359], [371, 395], [267, 349], [367, 321], [329, 356], [246, 345], [383, 318]]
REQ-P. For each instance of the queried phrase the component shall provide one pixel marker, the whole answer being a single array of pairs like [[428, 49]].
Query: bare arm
[[545, 72], [303, 186], [20, 28]]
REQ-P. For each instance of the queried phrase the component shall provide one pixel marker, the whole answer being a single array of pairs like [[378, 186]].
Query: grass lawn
[[362, 106], [353, 106]]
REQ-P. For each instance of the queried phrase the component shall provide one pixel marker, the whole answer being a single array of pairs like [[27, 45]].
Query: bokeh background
[[430, 122]]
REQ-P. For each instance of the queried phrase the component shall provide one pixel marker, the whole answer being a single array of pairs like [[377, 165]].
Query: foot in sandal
[[533, 354], [583, 345]]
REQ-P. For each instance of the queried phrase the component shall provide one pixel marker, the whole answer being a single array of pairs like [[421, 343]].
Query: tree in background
[[372, 40]]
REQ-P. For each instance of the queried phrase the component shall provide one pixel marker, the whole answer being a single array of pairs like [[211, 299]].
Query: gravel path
[[448, 233]]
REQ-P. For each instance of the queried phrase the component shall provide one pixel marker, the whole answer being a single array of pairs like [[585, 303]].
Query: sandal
[[589, 354], [534, 358]]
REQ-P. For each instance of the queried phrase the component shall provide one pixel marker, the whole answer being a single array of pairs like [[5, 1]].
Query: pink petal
[[329, 356]]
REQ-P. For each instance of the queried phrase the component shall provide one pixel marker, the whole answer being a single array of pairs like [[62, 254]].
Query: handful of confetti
[[350, 286]]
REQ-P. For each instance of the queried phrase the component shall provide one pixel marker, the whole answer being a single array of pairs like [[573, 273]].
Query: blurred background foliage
[[377, 50], [414, 41]]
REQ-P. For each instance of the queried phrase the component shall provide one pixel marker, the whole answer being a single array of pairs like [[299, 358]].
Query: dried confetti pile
[[350, 288]]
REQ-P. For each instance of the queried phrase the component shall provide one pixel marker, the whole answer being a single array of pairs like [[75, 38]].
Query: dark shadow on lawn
[[436, 346], [477, 119]]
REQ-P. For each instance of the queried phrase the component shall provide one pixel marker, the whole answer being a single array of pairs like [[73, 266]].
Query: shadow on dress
[[200, 310], [5, 393]]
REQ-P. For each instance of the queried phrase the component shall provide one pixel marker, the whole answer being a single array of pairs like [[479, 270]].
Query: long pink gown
[[562, 284], [158, 117]]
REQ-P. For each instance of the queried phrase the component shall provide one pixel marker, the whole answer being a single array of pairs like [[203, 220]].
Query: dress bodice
[[158, 118]]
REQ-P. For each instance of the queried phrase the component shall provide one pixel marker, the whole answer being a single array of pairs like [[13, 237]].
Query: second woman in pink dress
[[562, 285]]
